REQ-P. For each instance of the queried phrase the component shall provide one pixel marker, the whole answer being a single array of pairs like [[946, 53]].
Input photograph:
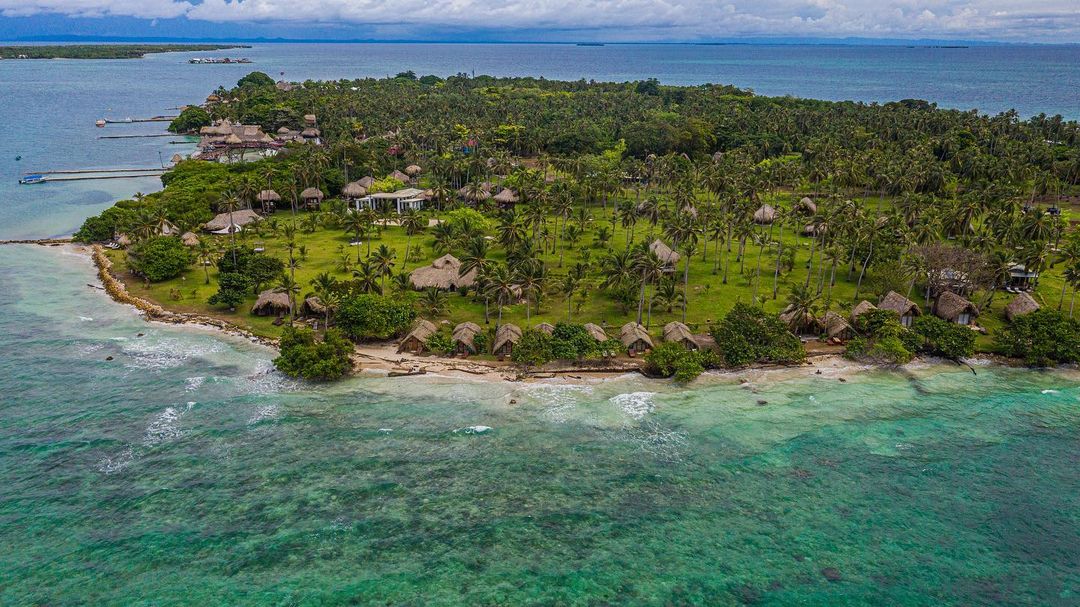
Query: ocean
[[143, 464]]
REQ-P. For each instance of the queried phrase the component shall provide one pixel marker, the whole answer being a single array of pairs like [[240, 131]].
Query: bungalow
[[408, 198], [506, 337], [268, 199], [953, 308], [1022, 304], [1020, 278], [413, 170], [678, 332], [837, 327], [366, 182], [765, 215], [545, 327], [806, 206], [863, 307], [665, 254], [227, 223], [465, 338], [596, 332], [635, 338], [506, 198], [416, 341], [444, 273], [904, 307], [272, 303], [399, 176], [312, 197], [353, 191]]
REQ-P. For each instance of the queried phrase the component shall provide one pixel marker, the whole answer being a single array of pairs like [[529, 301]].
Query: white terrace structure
[[408, 198]]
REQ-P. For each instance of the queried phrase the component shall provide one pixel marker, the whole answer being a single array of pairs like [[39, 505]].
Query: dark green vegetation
[[304, 355], [671, 359], [190, 120], [159, 258], [1041, 339], [104, 51], [368, 316], [880, 339], [568, 341], [903, 197]]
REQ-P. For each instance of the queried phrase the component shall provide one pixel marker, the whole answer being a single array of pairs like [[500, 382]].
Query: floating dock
[[32, 177]]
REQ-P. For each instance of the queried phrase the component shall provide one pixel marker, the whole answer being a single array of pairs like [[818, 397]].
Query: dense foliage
[[191, 119], [159, 258], [881, 339], [943, 338], [257, 269], [749, 335], [368, 316], [1041, 338], [568, 341], [233, 287], [671, 359], [104, 51], [304, 355]]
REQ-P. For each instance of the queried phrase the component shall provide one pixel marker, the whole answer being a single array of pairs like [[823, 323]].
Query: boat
[[32, 179], [100, 123]]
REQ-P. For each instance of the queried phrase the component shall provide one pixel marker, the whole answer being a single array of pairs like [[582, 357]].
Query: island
[[606, 225], [104, 51]]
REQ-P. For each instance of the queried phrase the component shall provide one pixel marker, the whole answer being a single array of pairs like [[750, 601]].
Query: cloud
[[618, 19]]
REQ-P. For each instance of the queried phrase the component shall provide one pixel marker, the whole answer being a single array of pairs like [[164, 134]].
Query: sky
[[1046, 21]]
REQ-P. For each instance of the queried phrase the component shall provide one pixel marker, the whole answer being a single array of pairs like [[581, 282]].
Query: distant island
[[104, 51]]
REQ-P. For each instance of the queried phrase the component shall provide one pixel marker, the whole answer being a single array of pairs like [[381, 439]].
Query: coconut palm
[[383, 262], [287, 284], [500, 285], [367, 278], [327, 289]]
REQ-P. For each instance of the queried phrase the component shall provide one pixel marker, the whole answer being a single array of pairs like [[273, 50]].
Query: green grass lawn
[[709, 299]]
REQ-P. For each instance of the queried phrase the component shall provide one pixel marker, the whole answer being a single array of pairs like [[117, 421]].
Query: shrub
[[882, 339], [943, 338], [257, 268], [573, 342], [749, 335], [232, 288], [190, 120], [441, 343], [255, 80], [103, 227], [671, 359], [159, 258], [533, 349], [370, 316], [302, 355], [1041, 338]]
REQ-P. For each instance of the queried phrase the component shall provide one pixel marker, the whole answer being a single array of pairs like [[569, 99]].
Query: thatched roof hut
[[402, 177], [545, 327], [221, 222], [1022, 304], [465, 336], [309, 119], [678, 332], [471, 195], [863, 307], [312, 194], [413, 170], [635, 338], [953, 308], [443, 273], [765, 215], [366, 182], [815, 229], [123, 240], [310, 133], [596, 331], [837, 327], [190, 239], [416, 340], [272, 303], [506, 196], [268, 196], [505, 339], [664, 252], [806, 206], [903, 306], [354, 190], [313, 306], [799, 322]]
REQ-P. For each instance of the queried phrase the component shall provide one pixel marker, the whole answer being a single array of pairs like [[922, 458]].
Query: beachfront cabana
[[635, 338], [268, 199], [416, 341], [506, 337], [837, 327], [803, 322], [596, 332], [906, 309], [953, 308], [444, 274], [545, 327], [765, 215], [312, 197], [863, 307], [1022, 304], [272, 303], [665, 254], [227, 223], [353, 191], [678, 332], [313, 306], [465, 338]]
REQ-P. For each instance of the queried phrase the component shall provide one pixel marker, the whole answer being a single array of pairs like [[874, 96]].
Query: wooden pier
[[82, 171], [134, 120]]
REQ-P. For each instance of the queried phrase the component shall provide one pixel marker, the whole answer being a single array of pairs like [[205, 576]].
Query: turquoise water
[[186, 471]]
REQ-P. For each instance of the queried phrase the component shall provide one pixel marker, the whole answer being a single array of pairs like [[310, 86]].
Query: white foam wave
[[635, 404], [263, 413], [1051, 392], [165, 427], [561, 399], [85, 318], [168, 352], [112, 465], [474, 430], [192, 384]]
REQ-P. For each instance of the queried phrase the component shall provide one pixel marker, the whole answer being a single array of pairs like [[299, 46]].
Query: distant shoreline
[[103, 51]]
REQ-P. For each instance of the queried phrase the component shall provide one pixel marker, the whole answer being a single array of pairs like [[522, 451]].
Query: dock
[[33, 177], [138, 136], [81, 171], [91, 177], [134, 120]]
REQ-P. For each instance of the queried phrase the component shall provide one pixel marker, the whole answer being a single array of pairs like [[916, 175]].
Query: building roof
[[443, 273], [863, 307], [354, 190], [950, 306], [664, 252], [596, 331], [507, 334], [835, 324], [765, 214], [465, 334], [402, 177], [545, 327], [240, 218], [271, 301], [421, 331], [899, 304], [632, 332], [366, 182], [413, 169], [506, 196], [312, 193], [677, 331], [268, 196], [806, 206], [401, 194], [1022, 304]]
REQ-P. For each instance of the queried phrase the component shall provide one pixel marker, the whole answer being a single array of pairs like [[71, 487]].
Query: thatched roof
[[506, 196], [190, 239], [797, 322], [413, 170], [596, 331], [835, 324], [679, 332], [507, 334], [271, 302], [765, 215], [806, 206], [310, 133], [863, 307], [366, 182], [313, 305], [465, 334], [443, 273], [268, 196], [312, 194], [402, 177], [664, 252], [309, 118], [354, 190], [815, 229], [632, 333], [545, 327], [467, 193], [950, 306], [240, 218], [899, 304], [1022, 304], [421, 331]]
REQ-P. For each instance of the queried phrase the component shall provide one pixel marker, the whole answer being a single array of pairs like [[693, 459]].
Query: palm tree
[[531, 281], [802, 304], [327, 289], [651, 268], [434, 302], [205, 253], [383, 261], [667, 296], [501, 286], [412, 223], [287, 284], [367, 278], [231, 202], [356, 225]]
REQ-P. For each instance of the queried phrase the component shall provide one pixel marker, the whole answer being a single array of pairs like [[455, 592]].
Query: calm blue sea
[[155, 465]]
